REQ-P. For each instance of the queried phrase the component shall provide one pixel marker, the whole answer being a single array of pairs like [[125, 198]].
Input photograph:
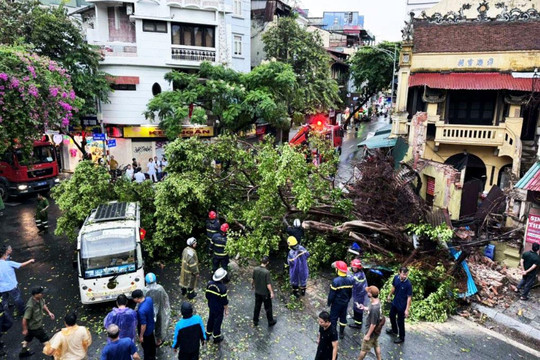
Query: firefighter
[[296, 230], [218, 304], [298, 266], [190, 269], [339, 297], [212, 227], [359, 293], [42, 215], [220, 257]]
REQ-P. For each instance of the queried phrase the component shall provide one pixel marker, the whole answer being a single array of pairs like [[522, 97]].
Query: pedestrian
[[5, 325], [139, 176], [113, 165], [129, 172], [9, 287], [118, 348], [163, 165], [218, 304], [189, 334], [124, 317], [134, 163], [70, 343], [263, 292], [298, 266], [296, 230], [529, 264], [42, 215], [402, 290], [145, 317], [190, 269], [327, 340], [162, 307], [220, 258], [359, 292], [212, 228], [371, 339], [339, 296], [152, 171], [32, 322]]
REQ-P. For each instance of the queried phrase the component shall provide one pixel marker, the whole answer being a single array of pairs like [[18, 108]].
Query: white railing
[[189, 53], [471, 134], [201, 4], [117, 49]]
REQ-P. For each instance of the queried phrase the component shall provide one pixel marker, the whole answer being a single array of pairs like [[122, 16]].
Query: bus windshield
[[39, 155], [108, 252]]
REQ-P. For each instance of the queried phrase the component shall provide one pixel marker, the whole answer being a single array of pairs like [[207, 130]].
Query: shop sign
[[533, 227], [111, 143], [89, 120], [155, 132]]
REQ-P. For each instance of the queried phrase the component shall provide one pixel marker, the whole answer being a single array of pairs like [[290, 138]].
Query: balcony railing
[[201, 4], [187, 53], [117, 49]]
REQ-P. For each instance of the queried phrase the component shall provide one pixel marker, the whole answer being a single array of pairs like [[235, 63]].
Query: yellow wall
[[447, 195], [484, 61]]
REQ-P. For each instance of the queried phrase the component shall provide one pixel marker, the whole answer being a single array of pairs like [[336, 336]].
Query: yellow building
[[466, 78]]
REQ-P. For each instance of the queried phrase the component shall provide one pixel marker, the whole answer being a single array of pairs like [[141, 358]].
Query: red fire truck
[[23, 175], [320, 124]]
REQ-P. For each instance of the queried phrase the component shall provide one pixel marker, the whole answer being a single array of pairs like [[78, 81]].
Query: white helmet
[[297, 223], [191, 241], [219, 274]]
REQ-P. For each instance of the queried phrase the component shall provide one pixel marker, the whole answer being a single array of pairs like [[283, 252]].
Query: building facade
[[141, 41], [465, 81]]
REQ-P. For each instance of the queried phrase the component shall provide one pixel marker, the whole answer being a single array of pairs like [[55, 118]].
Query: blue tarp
[[471, 286]]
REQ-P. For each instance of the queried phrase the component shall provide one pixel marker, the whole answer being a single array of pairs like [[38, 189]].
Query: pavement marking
[[499, 336]]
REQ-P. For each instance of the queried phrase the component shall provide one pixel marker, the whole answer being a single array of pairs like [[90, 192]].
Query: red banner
[[533, 227]]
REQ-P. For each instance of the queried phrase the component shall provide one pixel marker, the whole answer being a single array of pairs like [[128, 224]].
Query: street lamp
[[393, 56]]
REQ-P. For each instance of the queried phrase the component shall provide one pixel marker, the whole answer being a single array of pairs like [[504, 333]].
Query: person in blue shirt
[[402, 291], [189, 334], [8, 280], [119, 349], [145, 316]]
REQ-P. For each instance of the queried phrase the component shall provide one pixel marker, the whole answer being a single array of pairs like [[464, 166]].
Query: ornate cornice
[[453, 17]]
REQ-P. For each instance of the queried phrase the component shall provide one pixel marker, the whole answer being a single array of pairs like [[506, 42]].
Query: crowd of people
[[155, 170]]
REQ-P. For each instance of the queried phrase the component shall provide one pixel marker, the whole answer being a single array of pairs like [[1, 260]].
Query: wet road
[[294, 336]]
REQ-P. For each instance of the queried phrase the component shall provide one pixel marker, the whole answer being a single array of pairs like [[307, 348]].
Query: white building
[[142, 40], [417, 6]]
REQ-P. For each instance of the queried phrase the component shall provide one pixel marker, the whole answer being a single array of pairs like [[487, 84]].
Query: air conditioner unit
[[129, 9]]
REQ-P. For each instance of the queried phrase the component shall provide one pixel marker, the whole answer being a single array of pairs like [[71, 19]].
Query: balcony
[[200, 4], [192, 55], [501, 136], [117, 49]]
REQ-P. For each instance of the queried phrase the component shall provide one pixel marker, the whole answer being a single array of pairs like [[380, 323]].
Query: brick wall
[[476, 36]]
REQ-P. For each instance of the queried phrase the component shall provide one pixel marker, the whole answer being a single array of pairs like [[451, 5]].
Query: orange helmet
[[212, 215], [356, 263], [341, 266], [224, 228]]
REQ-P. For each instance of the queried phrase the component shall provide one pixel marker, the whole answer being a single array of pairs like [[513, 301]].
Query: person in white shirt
[[139, 176], [152, 169], [129, 172]]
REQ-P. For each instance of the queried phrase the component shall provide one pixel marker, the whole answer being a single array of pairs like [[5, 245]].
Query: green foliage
[[433, 294], [290, 43], [322, 252], [371, 68], [237, 100], [89, 187], [49, 31], [440, 232], [35, 95]]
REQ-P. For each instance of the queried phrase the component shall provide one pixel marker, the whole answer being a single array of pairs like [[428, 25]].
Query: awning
[[531, 180], [470, 81], [123, 80], [379, 141]]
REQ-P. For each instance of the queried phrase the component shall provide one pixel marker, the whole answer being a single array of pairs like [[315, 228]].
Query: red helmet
[[341, 266], [356, 263], [224, 228], [212, 215]]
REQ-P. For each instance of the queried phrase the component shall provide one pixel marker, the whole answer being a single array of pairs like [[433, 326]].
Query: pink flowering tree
[[35, 96]]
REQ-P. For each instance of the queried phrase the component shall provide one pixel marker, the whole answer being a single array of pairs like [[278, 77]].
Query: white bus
[[109, 254]]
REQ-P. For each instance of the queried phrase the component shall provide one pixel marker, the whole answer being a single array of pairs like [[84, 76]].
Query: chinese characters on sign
[[479, 62]]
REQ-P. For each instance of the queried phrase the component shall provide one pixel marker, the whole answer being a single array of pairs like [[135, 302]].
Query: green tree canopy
[[35, 95], [237, 100], [371, 70], [290, 43], [50, 32]]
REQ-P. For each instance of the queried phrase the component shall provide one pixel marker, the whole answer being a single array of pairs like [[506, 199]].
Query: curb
[[507, 321], [497, 335]]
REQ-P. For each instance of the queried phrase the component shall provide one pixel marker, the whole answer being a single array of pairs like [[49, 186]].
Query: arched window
[[156, 89]]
